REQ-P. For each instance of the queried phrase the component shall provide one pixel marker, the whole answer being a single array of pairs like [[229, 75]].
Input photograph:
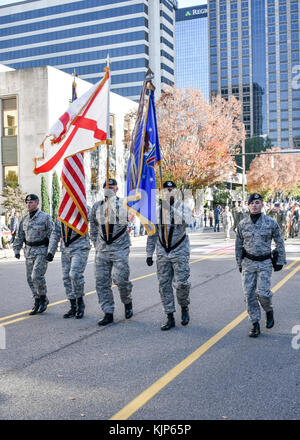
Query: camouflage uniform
[[112, 252], [172, 260], [34, 232], [238, 215], [75, 250], [256, 239]]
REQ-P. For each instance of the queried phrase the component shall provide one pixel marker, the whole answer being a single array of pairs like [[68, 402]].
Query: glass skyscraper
[[192, 48], [254, 55], [79, 34]]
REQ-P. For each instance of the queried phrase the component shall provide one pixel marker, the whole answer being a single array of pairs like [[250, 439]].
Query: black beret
[[31, 197], [169, 184], [254, 196], [111, 182]]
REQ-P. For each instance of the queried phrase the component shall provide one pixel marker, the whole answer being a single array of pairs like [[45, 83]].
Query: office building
[[254, 55], [79, 34], [192, 49]]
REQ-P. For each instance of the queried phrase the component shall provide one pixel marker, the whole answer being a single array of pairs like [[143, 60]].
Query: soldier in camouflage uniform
[[34, 231], [75, 250], [172, 255], [237, 214], [112, 252], [253, 256]]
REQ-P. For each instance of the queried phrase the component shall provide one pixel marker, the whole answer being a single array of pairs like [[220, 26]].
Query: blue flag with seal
[[144, 156]]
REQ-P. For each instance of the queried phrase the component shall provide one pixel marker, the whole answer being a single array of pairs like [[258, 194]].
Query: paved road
[[54, 368]]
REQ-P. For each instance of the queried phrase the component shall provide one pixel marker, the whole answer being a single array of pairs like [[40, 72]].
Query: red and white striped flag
[[84, 126], [73, 208]]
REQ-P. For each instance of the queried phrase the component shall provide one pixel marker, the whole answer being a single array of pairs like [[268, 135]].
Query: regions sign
[[191, 13]]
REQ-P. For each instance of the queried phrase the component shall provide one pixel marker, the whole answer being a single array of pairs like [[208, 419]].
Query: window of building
[[11, 175], [272, 39], [9, 117]]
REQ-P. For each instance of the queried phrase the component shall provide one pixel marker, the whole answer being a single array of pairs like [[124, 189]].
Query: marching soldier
[[112, 252], [254, 259], [75, 250], [172, 254], [34, 231]]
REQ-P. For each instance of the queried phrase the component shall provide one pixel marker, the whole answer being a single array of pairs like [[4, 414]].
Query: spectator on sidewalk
[[211, 218], [227, 221], [14, 225], [217, 213]]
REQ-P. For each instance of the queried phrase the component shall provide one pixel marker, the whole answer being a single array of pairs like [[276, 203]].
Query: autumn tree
[[197, 138], [272, 175], [14, 198]]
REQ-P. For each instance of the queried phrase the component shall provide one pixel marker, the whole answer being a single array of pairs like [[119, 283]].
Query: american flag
[[73, 209]]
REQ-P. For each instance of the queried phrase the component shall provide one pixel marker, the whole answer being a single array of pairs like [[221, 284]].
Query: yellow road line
[[88, 293], [154, 389], [285, 279], [292, 264]]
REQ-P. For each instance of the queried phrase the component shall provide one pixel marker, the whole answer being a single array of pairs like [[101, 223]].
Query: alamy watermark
[[2, 338], [296, 339]]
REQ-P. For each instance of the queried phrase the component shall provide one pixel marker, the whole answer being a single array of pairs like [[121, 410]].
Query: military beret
[[254, 196], [169, 184], [111, 182], [31, 197]]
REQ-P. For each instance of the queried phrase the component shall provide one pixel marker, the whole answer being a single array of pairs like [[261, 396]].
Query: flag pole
[[151, 86], [108, 142]]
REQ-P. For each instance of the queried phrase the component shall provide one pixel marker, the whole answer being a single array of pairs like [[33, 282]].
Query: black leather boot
[[185, 317], [128, 310], [108, 318], [44, 301], [36, 307], [270, 319], [255, 331], [72, 311], [170, 322], [80, 308]]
